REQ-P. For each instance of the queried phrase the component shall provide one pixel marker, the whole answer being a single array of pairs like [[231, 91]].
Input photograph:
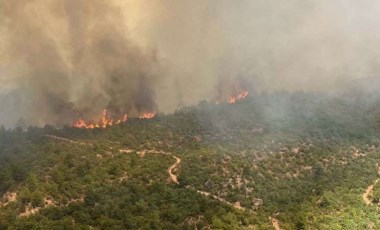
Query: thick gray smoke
[[72, 58], [64, 59]]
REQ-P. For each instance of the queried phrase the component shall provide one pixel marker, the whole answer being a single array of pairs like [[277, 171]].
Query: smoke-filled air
[[66, 60]]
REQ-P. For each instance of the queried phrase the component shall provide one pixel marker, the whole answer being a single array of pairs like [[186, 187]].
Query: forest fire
[[105, 121], [233, 99], [240, 96], [147, 115]]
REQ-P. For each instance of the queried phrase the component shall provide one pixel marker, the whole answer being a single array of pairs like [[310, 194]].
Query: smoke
[[64, 59], [73, 58]]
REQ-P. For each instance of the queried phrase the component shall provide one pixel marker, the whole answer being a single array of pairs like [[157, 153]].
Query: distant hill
[[369, 84]]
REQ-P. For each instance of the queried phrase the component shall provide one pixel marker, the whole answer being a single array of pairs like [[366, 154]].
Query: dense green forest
[[296, 160]]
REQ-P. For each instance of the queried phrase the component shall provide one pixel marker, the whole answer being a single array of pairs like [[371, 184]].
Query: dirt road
[[66, 140], [275, 223], [171, 168], [237, 205], [368, 192]]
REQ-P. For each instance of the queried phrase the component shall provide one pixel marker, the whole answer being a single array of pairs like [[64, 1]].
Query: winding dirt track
[[275, 223], [66, 140], [368, 192], [171, 168], [174, 178], [237, 206]]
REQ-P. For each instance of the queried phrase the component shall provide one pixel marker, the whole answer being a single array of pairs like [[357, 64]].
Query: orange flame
[[147, 115], [122, 120], [105, 121], [80, 124], [240, 96]]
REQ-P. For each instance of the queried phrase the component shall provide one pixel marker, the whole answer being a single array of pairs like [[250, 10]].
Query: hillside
[[272, 161]]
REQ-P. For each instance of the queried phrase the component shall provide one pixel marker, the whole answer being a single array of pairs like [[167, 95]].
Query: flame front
[[240, 96], [106, 121], [147, 115], [102, 123]]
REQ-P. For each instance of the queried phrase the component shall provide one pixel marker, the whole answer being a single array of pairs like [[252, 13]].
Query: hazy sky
[[68, 58]]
